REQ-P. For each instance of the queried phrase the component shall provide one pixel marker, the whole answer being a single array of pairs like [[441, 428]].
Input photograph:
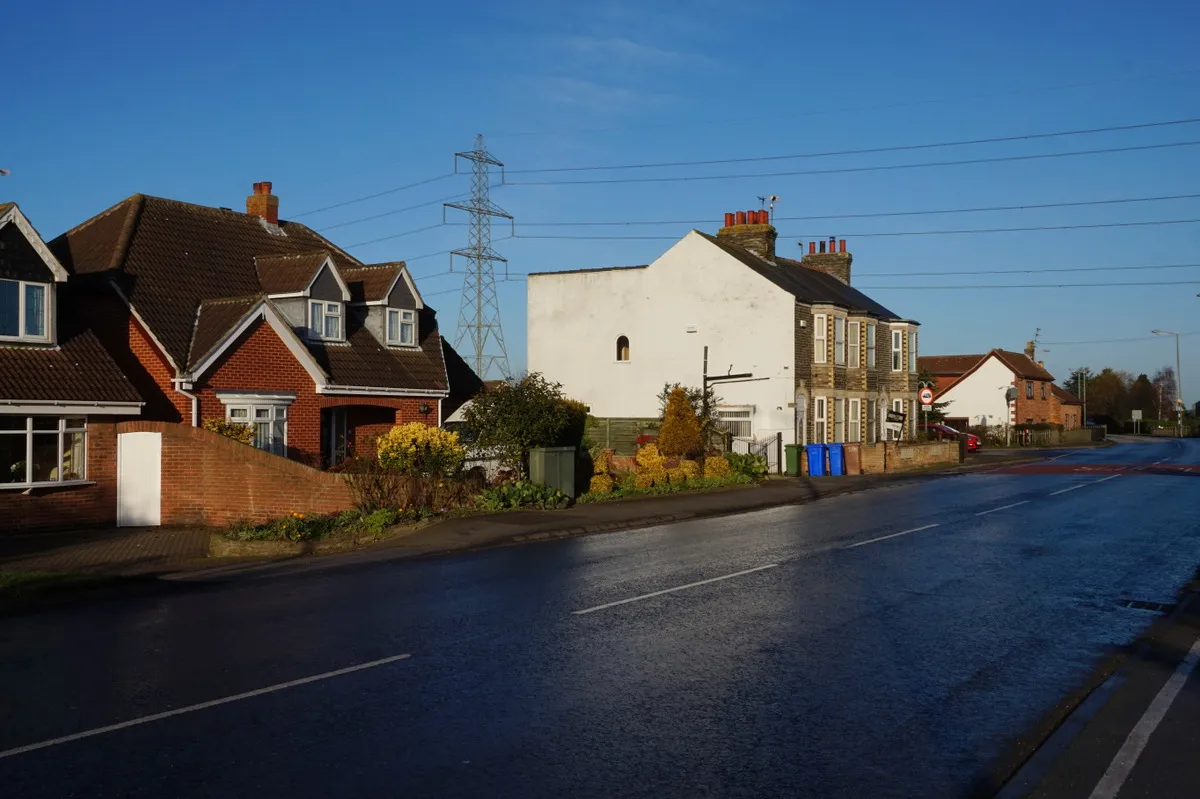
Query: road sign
[[1137, 416], [926, 396]]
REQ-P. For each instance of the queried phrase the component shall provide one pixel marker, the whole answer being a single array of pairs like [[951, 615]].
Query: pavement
[[182, 551], [903, 642]]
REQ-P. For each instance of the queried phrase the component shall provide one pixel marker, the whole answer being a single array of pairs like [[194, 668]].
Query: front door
[[333, 438], [139, 479]]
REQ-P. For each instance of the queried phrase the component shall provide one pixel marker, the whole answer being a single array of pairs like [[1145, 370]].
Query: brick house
[[253, 319], [1069, 408], [60, 391], [825, 361], [994, 389]]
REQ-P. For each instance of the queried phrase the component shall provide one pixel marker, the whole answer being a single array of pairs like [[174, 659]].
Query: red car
[[944, 432]]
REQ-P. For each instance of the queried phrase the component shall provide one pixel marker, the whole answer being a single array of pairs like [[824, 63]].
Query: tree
[[1077, 384], [679, 436], [703, 402], [937, 411], [1165, 392], [1108, 395], [517, 416], [1143, 396]]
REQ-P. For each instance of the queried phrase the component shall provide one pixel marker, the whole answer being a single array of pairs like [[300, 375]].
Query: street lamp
[[1178, 376]]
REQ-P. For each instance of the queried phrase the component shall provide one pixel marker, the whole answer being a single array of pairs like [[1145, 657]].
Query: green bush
[[753, 466], [629, 487], [521, 494]]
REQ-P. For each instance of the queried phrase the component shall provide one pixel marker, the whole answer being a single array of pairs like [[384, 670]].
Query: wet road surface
[[890, 643]]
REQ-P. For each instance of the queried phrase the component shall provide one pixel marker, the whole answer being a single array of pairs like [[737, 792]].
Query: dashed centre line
[[886, 537], [639, 598], [1003, 507]]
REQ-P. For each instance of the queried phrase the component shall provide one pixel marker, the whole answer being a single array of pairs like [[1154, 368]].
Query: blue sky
[[331, 103]]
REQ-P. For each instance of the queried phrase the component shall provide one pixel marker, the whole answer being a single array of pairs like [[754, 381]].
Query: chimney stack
[[750, 230], [1030, 349], [263, 204], [834, 262]]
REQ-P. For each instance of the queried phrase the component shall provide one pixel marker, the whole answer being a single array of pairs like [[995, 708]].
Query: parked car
[[944, 432]]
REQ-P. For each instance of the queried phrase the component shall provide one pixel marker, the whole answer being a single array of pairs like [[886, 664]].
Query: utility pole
[[479, 310], [1178, 381]]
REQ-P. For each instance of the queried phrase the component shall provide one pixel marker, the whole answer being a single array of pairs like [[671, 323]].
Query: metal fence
[[769, 448]]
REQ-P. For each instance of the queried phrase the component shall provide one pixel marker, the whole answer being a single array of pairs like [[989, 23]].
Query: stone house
[[824, 361]]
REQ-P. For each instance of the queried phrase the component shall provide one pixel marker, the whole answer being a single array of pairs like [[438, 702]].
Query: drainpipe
[[195, 402]]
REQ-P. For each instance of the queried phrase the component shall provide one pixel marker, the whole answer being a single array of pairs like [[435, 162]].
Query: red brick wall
[[212, 480], [70, 506], [1038, 409]]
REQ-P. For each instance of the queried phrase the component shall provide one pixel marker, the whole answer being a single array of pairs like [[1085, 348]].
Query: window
[[819, 426], [1028, 389], [870, 346], [737, 421], [622, 348], [839, 420], [268, 420], [912, 351], [872, 421], [325, 320], [1043, 390], [854, 421], [42, 449], [820, 335], [897, 350], [839, 340], [401, 327], [854, 331], [23, 310], [898, 407]]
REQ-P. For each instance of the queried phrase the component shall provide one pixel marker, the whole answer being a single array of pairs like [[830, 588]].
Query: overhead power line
[[846, 170], [935, 287], [398, 235], [861, 151], [384, 193], [877, 215], [1037, 271], [1110, 340], [895, 233], [393, 212]]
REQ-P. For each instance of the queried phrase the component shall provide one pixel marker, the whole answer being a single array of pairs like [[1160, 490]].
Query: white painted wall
[[980, 395], [747, 322]]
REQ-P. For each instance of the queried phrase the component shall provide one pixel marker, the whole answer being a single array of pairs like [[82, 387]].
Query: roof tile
[[286, 274]]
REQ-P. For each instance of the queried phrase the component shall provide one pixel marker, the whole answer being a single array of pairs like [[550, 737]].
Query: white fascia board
[[237, 396], [9, 407], [17, 218], [372, 391]]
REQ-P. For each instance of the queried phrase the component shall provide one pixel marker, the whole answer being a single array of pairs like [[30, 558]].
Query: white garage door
[[139, 479]]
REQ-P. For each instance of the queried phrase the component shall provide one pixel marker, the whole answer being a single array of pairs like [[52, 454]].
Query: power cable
[[383, 193], [393, 212], [397, 235], [863, 151], [1028, 271], [925, 286], [1110, 340], [846, 170]]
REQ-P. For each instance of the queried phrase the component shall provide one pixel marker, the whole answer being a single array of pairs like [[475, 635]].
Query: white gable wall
[[747, 322], [980, 396]]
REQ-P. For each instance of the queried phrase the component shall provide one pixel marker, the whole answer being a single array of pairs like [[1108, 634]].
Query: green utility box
[[554, 467], [792, 459]]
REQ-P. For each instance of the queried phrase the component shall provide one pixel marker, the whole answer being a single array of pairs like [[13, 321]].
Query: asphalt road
[[889, 643]]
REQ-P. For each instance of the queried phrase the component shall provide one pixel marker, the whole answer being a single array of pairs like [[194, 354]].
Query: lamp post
[[1178, 379]]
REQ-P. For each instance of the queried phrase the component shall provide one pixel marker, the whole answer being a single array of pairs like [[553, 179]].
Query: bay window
[[265, 413], [23, 310], [912, 351], [839, 340], [854, 421], [870, 346], [897, 350], [402, 327], [820, 423], [853, 332], [38, 450], [820, 336]]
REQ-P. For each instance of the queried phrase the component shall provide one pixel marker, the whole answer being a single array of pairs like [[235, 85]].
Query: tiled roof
[[464, 383], [947, 364], [79, 369], [285, 274], [169, 256], [593, 269], [370, 283], [1023, 365], [214, 319], [4, 207], [805, 284], [363, 361], [1065, 396]]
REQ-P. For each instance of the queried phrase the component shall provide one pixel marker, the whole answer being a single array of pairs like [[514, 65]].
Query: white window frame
[[912, 351], [839, 420], [820, 337], [839, 340], [854, 420], [870, 346], [820, 420], [23, 312], [737, 415], [319, 314], [404, 318], [897, 350], [61, 431], [854, 356], [277, 413], [872, 421]]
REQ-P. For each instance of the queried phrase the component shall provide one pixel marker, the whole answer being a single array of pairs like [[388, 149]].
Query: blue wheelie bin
[[816, 459], [837, 460]]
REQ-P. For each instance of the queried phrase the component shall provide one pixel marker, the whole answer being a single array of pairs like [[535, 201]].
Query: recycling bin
[[837, 460], [816, 459], [792, 459]]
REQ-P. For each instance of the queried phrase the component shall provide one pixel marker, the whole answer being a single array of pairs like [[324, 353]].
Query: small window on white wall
[[622, 348], [737, 421], [820, 337]]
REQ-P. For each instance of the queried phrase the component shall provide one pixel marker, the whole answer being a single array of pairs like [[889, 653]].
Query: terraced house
[[213, 313], [823, 361]]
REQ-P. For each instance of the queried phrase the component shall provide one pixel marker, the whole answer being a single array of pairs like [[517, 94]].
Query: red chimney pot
[[842, 245], [765, 216], [812, 248], [728, 220], [741, 217]]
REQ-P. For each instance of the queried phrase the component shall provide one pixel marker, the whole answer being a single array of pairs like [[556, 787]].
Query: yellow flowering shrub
[[648, 457], [601, 464], [243, 433], [601, 484], [716, 466], [677, 476], [690, 469], [417, 449]]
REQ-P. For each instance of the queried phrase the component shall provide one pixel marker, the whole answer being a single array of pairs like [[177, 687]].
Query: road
[[889, 643]]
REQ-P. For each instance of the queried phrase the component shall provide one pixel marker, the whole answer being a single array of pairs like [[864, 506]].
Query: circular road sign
[[926, 396]]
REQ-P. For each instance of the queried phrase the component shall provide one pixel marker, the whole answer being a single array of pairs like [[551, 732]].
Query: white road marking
[[1106, 479], [1003, 507], [20, 750], [1121, 765], [671, 590], [886, 537], [1065, 490]]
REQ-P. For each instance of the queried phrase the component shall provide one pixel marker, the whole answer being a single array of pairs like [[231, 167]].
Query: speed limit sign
[[926, 396]]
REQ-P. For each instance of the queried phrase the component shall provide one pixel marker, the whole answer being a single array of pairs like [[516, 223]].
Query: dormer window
[[23, 310], [401, 327], [325, 320]]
